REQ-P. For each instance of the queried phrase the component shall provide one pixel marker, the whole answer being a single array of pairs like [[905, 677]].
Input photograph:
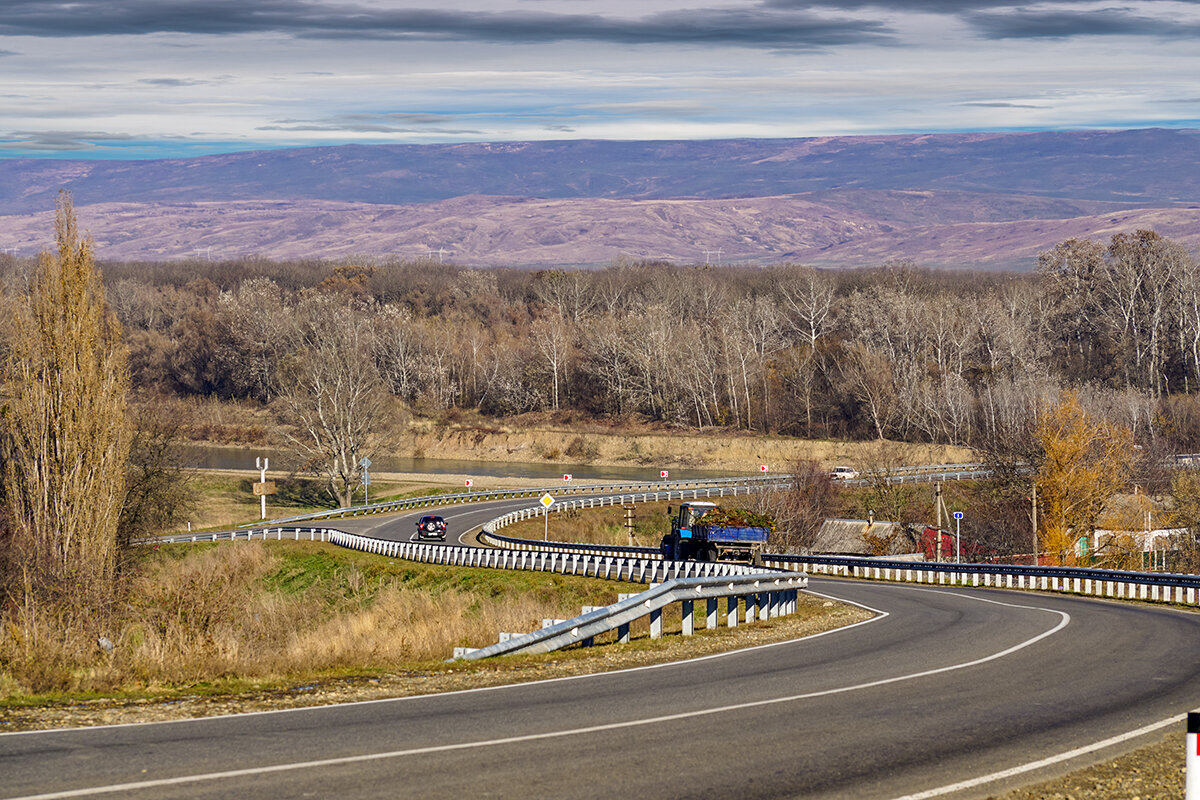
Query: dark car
[[431, 527]]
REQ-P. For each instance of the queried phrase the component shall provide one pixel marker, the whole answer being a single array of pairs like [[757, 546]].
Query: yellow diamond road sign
[[547, 500]]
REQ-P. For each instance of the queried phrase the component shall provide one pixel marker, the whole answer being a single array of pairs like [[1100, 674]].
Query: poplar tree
[[66, 433]]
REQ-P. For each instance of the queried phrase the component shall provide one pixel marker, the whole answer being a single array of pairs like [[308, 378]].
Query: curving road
[[942, 686], [462, 521]]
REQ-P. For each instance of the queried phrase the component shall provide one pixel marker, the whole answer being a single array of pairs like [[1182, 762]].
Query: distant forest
[[895, 352]]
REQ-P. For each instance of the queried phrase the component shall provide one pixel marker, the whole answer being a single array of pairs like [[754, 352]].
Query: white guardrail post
[[1192, 741]]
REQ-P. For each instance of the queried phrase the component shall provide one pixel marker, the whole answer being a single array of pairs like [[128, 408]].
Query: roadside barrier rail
[[610, 567], [1117, 584], [506, 494], [766, 596], [923, 473], [489, 536], [278, 532]]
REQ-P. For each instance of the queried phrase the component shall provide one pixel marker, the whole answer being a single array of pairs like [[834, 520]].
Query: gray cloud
[[939, 6], [932, 6], [8, 53], [60, 140], [1013, 19], [1025, 24], [1000, 105], [391, 122], [387, 122], [172, 82], [752, 27]]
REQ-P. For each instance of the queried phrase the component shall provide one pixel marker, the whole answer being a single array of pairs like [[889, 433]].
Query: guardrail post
[[710, 619], [1192, 791], [751, 607], [689, 625], [656, 624]]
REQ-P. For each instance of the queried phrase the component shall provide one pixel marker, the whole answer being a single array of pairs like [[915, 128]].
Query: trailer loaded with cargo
[[704, 532]]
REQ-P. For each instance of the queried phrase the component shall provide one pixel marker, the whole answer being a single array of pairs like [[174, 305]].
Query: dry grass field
[[219, 615], [539, 438], [599, 526]]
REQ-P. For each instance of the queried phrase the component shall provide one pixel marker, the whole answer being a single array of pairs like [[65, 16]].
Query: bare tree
[[333, 396], [808, 296], [552, 338], [868, 375], [160, 492], [801, 507]]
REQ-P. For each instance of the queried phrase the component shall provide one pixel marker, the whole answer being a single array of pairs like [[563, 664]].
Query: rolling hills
[[961, 200]]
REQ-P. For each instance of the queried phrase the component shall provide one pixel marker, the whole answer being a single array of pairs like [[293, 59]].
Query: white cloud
[[935, 70]]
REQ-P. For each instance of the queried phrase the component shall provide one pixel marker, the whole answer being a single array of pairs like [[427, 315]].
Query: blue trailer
[[691, 539]]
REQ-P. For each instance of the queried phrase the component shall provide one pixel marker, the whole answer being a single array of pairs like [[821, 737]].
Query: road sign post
[[547, 501], [958, 515], [261, 489], [1192, 790]]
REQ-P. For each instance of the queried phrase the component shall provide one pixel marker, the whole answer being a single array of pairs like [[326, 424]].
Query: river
[[241, 458]]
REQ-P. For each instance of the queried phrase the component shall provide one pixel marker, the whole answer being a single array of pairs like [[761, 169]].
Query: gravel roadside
[[1151, 772]]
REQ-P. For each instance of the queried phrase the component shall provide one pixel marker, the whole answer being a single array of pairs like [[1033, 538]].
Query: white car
[[843, 474]]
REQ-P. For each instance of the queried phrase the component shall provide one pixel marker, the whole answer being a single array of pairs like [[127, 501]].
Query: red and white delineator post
[[1193, 756]]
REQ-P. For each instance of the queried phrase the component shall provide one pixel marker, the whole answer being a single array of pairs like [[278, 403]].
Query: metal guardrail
[[767, 596], [489, 535], [278, 532], [1115, 584], [897, 475], [506, 494], [611, 567]]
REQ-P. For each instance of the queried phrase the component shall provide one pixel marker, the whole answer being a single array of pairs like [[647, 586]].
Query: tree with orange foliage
[[1086, 460]]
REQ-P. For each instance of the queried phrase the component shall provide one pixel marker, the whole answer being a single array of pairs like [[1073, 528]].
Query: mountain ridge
[[836, 200]]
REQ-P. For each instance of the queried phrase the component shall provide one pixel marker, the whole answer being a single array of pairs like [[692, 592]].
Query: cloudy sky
[[164, 78]]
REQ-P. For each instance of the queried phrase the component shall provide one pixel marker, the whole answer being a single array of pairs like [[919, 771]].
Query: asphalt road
[[944, 685], [462, 521]]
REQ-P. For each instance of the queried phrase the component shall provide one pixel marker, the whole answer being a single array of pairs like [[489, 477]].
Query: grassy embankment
[[222, 617], [240, 626], [225, 499]]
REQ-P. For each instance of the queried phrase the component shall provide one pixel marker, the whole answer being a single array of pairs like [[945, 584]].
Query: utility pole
[[937, 502], [1034, 516]]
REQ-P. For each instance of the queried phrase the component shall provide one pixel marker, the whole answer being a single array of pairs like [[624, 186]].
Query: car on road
[[843, 473], [431, 527]]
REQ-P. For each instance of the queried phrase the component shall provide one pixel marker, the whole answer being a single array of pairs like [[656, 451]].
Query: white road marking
[[1045, 762], [1064, 620]]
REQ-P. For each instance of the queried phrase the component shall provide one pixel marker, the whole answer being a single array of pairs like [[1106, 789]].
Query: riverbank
[[550, 444]]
